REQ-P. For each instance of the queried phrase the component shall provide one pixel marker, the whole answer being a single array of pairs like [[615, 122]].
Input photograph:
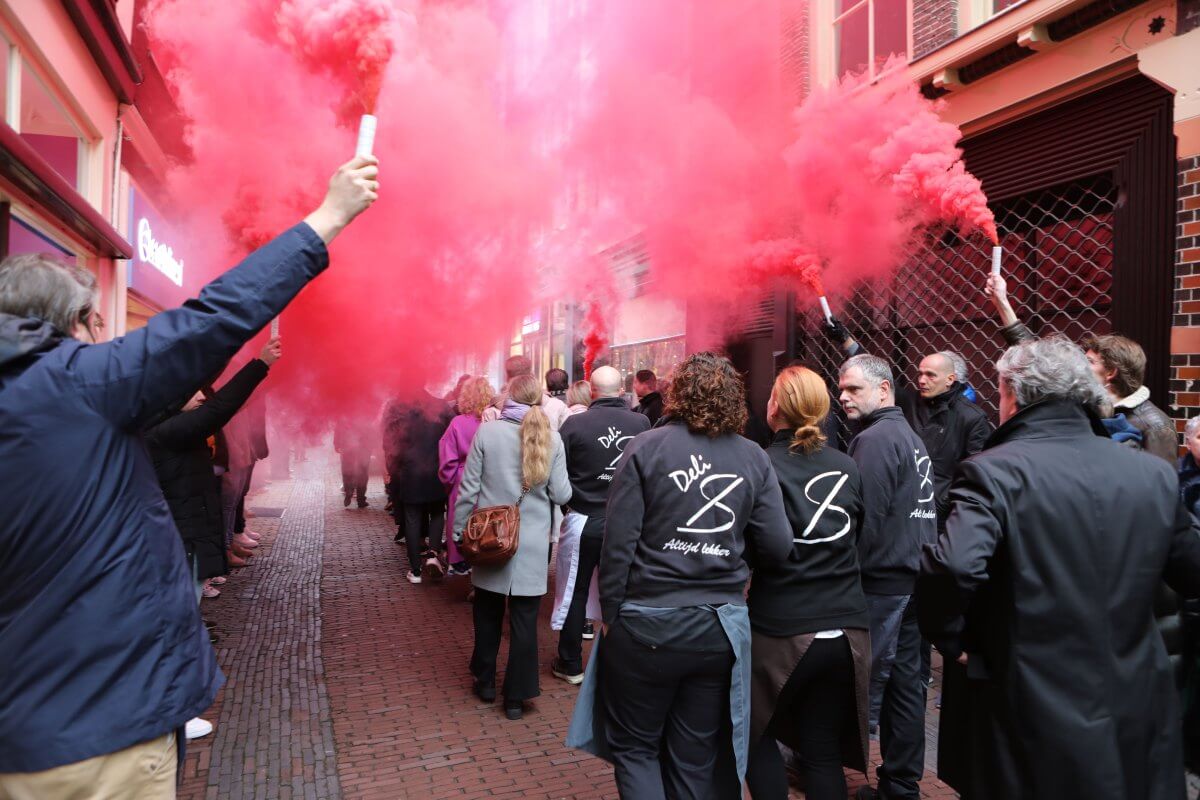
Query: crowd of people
[[752, 598], [743, 598], [792, 594]]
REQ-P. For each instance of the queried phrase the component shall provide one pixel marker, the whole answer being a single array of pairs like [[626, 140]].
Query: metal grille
[[1058, 260]]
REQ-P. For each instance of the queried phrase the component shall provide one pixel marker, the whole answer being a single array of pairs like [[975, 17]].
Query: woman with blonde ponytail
[[808, 613], [518, 457]]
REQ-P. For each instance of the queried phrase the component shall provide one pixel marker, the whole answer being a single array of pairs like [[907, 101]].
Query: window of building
[[5, 55], [869, 32], [45, 126]]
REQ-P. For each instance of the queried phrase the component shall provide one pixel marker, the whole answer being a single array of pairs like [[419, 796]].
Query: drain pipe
[[120, 265]]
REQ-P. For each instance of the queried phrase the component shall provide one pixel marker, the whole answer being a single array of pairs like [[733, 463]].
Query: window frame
[[836, 19], [89, 157]]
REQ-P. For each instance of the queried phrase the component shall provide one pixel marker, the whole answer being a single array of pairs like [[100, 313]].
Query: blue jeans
[[897, 694]]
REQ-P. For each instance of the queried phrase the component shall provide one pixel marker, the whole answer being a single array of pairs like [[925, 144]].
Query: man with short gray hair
[[102, 650], [898, 518], [1043, 586]]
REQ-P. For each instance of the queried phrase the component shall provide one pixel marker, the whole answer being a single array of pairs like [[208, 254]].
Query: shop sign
[[158, 254], [157, 270]]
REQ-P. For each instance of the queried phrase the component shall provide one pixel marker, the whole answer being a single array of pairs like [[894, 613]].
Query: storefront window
[[1000, 5], [869, 32], [44, 124], [660, 355]]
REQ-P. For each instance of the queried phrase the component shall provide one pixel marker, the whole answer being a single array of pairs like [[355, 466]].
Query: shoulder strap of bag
[[524, 491]]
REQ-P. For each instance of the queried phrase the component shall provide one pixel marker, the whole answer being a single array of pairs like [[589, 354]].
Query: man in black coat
[[950, 425], [183, 462], [593, 442], [898, 518], [411, 430], [1044, 585], [650, 400]]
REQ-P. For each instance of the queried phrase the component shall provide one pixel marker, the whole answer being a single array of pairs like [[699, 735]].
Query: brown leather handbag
[[492, 534]]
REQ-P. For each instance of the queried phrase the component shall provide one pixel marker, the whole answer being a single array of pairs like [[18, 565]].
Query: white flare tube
[[275, 328], [825, 308], [366, 135], [997, 251]]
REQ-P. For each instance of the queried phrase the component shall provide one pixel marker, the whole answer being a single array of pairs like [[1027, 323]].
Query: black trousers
[[570, 639], [816, 703], [902, 716], [665, 709], [356, 466], [521, 673], [421, 520], [239, 520]]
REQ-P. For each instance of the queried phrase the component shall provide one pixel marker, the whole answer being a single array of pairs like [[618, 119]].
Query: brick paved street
[[347, 682]]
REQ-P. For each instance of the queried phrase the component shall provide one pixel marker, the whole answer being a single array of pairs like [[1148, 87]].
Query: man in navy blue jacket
[[102, 651]]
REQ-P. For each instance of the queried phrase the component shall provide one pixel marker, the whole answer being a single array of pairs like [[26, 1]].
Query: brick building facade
[[1047, 93]]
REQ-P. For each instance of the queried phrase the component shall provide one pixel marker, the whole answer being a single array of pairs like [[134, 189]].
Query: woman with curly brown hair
[[688, 499]]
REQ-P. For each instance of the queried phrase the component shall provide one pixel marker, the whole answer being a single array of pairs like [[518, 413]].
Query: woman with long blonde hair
[[517, 457], [808, 613]]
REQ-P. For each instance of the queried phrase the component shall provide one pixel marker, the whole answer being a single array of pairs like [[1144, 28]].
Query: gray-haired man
[[899, 517], [1043, 585]]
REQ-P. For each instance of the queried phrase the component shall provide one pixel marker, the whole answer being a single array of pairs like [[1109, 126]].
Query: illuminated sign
[[158, 255]]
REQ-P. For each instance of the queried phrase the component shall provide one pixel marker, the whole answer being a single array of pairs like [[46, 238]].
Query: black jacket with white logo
[[952, 428], [898, 501], [817, 587], [682, 510], [593, 442]]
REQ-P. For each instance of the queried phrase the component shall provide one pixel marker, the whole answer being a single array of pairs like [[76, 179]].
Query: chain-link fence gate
[[1058, 259]]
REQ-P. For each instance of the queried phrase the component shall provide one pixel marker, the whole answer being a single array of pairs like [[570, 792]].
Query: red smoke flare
[[596, 339], [660, 121], [787, 259], [350, 39]]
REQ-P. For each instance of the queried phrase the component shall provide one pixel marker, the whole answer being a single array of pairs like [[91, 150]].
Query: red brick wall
[[1185, 367], [935, 23]]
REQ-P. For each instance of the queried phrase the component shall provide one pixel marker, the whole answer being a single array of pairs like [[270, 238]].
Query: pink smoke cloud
[[513, 152]]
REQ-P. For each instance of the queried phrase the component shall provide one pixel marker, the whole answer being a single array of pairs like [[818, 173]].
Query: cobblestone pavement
[[346, 681]]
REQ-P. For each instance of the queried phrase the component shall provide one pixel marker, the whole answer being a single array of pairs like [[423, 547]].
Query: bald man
[[950, 425], [593, 442]]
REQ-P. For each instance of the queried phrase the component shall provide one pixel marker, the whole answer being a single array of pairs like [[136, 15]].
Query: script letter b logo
[[825, 505]]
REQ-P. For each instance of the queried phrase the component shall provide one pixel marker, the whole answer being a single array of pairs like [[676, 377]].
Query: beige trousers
[[145, 771]]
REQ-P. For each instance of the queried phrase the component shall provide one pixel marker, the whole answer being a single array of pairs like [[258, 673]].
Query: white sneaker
[[196, 728], [414, 577]]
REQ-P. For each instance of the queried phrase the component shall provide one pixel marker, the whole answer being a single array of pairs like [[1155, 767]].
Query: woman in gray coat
[[519, 450]]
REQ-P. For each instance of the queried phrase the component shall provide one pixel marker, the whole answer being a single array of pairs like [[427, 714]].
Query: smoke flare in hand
[[656, 121]]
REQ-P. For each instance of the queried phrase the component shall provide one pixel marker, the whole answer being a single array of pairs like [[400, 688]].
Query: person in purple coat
[[474, 396]]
